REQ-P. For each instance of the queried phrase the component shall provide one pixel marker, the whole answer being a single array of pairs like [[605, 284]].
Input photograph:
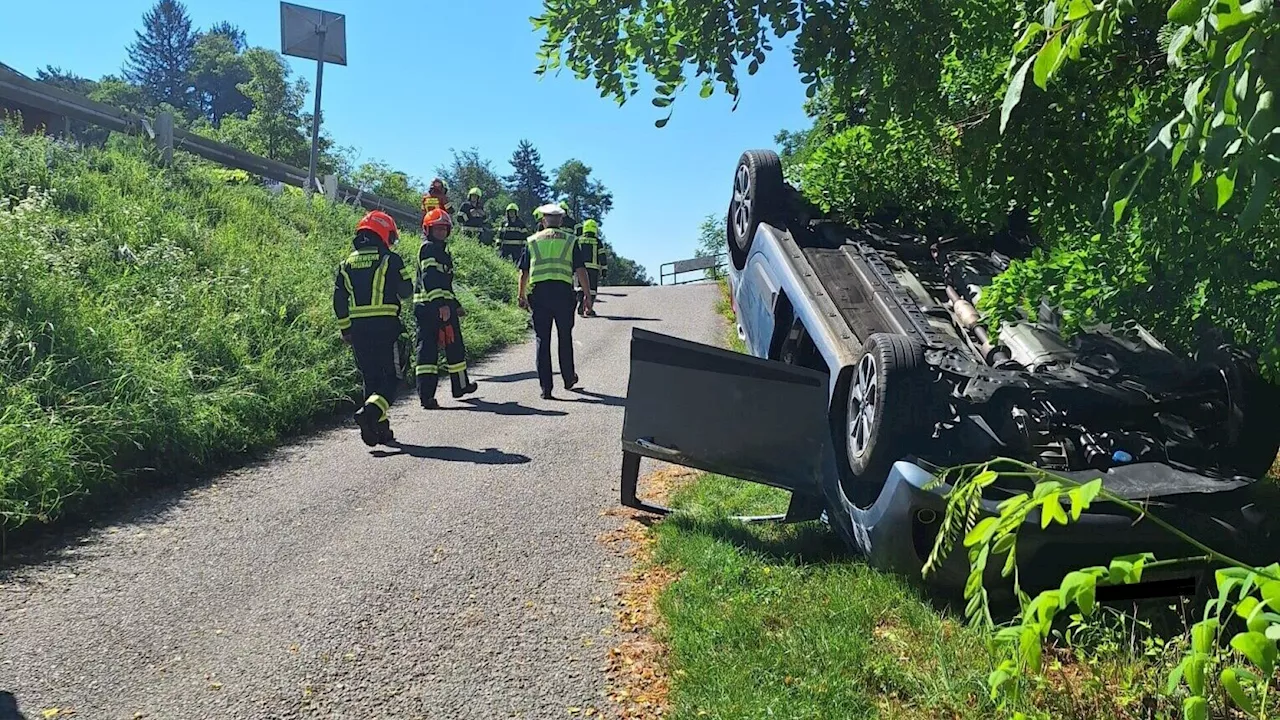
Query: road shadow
[[9, 707], [626, 318], [513, 377], [599, 398], [488, 456], [803, 543], [506, 409]]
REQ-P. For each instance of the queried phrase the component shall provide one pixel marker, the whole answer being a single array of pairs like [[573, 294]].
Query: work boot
[[469, 389], [590, 313], [430, 404], [571, 383], [368, 423], [546, 394], [385, 436]]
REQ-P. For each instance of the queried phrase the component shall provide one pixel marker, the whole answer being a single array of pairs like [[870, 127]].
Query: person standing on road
[[589, 241], [550, 262], [512, 234], [437, 312], [367, 291]]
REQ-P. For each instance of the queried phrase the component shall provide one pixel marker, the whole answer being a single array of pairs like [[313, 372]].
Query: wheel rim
[[864, 402], [741, 203]]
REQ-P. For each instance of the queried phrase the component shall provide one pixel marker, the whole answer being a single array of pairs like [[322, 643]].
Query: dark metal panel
[[725, 412]]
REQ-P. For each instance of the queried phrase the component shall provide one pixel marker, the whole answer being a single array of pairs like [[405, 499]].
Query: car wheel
[[886, 412], [757, 196]]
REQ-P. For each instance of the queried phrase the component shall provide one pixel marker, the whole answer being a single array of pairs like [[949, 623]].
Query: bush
[[155, 321]]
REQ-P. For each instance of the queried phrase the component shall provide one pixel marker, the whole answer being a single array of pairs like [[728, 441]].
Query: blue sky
[[413, 53]]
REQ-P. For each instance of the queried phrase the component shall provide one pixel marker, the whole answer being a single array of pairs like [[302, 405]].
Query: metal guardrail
[[23, 91], [712, 267]]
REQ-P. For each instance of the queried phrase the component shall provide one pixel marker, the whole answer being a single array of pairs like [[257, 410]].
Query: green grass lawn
[[156, 321], [780, 621]]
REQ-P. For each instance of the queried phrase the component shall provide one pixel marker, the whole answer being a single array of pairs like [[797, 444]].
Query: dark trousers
[[553, 305], [373, 340], [593, 276], [512, 252], [435, 336]]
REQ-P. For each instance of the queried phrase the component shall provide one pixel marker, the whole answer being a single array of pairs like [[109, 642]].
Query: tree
[[115, 91], [232, 32], [161, 57], [588, 198], [467, 170], [66, 80], [624, 271], [218, 69], [711, 240], [378, 178], [276, 125], [527, 182]]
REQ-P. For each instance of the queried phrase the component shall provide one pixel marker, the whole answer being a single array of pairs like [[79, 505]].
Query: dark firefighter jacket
[[473, 214], [513, 232], [370, 283], [435, 274]]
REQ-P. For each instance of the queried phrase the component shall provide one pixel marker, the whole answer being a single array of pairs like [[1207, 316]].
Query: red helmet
[[436, 217], [380, 224]]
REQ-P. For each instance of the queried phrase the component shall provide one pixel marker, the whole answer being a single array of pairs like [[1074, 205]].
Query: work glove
[[346, 338], [523, 302], [444, 313]]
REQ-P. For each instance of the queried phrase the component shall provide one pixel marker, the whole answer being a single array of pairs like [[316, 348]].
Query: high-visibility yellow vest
[[359, 263], [551, 256]]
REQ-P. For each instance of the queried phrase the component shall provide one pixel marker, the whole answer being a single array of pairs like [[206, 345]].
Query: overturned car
[[870, 371]]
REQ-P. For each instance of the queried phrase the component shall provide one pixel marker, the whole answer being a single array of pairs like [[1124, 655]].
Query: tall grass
[[163, 319]]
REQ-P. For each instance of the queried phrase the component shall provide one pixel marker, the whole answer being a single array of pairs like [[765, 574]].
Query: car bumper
[[899, 530]]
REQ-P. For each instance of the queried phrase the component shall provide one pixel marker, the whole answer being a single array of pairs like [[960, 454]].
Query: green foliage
[[274, 128], [1208, 679], [1227, 127], [625, 271], [528, 182], [162, 55], [154, 321], [921, 115], [711, 239], [588, 197]]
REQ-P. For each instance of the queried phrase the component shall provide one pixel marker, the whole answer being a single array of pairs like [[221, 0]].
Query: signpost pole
[[315, 118]]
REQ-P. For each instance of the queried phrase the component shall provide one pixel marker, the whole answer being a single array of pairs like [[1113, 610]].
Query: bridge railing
[[711, 267]]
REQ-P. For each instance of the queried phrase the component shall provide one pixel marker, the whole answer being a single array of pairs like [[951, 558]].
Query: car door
[[723, 412]]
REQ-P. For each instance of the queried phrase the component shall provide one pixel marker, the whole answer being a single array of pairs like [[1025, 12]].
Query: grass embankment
[[768, 621], [156, 321]]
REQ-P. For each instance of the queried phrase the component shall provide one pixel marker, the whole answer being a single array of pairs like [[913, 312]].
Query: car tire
[[758, 196], [887, 406]]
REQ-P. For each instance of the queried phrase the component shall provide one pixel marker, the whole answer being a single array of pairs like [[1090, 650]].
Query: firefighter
[[512, 234], [367, 291], [550, 262], [437, 197], [570, 223], [438, 312], [474, 221], [589, 241]]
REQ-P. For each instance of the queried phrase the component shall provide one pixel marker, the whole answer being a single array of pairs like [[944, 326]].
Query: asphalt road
[[458, 578]]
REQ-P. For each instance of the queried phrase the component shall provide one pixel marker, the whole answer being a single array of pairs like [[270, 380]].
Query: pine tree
[[528, 182], [161, 57]]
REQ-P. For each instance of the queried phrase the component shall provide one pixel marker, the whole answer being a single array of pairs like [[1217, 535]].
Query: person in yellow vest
[[589, 240], [551, 260], [512, 234]]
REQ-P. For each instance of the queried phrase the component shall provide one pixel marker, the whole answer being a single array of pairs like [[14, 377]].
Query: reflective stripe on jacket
[[435, 274], [361, 288]]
